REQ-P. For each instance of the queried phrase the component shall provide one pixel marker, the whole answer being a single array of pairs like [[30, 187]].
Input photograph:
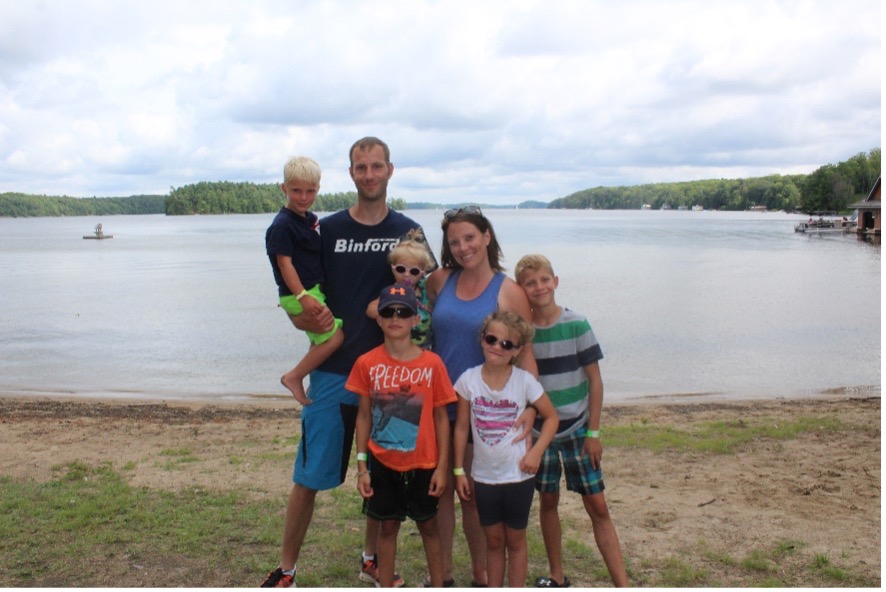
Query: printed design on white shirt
[[493, 419]]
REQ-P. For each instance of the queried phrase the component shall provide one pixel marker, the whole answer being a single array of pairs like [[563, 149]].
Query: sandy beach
[[820, 489]]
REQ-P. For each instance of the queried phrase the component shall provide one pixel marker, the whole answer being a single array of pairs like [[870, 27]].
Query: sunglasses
[[400, 312], [401, 269], [450, 214], [506, 344]]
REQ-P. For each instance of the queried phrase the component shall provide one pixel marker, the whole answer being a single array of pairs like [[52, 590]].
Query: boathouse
[[869, 212]]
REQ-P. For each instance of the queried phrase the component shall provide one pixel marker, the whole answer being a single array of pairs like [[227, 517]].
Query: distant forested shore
[[830, 188]]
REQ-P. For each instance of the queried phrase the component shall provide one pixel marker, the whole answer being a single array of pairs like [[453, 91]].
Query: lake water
[[714, 305]]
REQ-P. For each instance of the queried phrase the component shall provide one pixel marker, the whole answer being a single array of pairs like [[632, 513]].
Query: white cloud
[[486, 101]]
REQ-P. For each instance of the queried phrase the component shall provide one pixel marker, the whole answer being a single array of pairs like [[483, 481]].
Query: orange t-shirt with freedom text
[[403, 396]]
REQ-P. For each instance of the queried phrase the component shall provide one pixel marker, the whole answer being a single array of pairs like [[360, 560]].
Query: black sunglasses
[[450, 214], [506, 344], [390, 311], [403, 269]]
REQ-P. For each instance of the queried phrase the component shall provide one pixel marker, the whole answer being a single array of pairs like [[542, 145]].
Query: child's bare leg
[[518, 557], [473, 530], [430, 536], [549, 517], [387, 552], [606, 537], [317, 354], [495, 554]]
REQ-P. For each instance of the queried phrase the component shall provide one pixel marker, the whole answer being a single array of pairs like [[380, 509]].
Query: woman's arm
[[512, 297], [435, 282]]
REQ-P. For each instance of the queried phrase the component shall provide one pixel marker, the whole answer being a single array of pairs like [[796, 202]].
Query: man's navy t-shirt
[[356, 268]]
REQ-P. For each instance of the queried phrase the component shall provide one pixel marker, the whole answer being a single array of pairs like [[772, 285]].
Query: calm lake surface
[[714, 305]]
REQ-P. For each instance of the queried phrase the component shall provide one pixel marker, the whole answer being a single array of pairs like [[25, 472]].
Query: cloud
[[496, 101]]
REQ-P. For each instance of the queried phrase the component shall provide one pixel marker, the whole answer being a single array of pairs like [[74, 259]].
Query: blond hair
[[413, 249], [301, 168], [532, 262], [513, 322]]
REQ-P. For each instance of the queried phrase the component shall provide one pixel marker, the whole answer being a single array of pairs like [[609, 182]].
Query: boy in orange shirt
[[402, 432]]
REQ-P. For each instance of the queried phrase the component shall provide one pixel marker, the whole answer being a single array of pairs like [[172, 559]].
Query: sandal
[[546, 582]]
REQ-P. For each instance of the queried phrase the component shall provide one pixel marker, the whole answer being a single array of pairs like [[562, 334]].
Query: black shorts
[[397, 495], [504, 502]]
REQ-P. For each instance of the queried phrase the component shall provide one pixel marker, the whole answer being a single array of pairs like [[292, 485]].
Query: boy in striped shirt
[[568, 355]]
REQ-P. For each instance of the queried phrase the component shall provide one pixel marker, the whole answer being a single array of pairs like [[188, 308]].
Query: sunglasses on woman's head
[[506, 344], [401, 312], [401, 269], [449, 214]]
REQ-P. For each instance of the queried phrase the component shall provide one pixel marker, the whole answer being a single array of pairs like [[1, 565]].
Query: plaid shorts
[[581, 477]]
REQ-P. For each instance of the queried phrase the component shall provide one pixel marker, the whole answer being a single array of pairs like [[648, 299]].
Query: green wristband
[[362, 456], [458, 471], [592, 434]]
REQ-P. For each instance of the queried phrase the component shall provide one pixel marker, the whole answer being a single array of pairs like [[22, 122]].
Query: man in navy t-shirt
[[355, 244]]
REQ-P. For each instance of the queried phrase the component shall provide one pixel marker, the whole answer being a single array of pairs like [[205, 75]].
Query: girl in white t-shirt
[[490, 399]]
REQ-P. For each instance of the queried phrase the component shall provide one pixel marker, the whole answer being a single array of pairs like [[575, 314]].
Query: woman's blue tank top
[[456, 324]]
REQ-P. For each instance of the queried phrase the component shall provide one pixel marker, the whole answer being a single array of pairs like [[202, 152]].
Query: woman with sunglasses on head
[[469, 285], [491, 397], [410, 262]]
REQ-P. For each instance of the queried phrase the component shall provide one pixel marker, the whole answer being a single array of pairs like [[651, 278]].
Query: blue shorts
[[327, 433], [581, 477]]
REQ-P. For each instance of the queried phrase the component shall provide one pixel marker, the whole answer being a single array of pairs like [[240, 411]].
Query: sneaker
[[369, 573], [450, 583], [278, 579], [546, 582]]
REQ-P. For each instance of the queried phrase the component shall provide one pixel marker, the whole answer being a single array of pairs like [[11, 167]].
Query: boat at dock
[[822, 226], [98, 233]]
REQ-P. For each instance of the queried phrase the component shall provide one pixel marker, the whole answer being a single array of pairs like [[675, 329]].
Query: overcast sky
[[485, 101]]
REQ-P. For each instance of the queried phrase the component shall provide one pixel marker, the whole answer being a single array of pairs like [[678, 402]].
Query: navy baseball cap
[[402, 294]]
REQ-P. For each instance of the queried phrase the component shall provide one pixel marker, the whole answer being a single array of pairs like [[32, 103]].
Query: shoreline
[[285, 399]]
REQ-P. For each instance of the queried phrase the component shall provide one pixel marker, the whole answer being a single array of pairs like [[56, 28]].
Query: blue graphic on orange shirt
[[395, 419]]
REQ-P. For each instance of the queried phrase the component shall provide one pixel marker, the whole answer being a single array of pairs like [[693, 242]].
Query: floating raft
[[98, 233]]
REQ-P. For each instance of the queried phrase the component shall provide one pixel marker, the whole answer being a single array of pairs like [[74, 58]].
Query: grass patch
[[676, 573], [91, 511], [715, 437], [822, 564]]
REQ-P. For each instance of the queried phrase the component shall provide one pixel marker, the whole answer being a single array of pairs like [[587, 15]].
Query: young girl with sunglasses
[[410, 262], [490, 399]]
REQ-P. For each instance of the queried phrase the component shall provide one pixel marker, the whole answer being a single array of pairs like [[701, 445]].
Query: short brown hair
[[368, 143]]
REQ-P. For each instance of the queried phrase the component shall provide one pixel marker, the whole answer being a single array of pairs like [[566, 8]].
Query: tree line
[[225, 197], [22, 205], [221, 197], [830, 188]]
